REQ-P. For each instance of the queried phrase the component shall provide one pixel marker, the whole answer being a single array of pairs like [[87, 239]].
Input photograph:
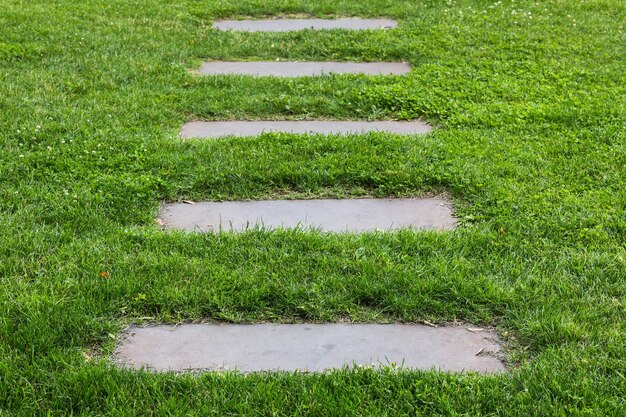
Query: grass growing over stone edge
[[529, 103]]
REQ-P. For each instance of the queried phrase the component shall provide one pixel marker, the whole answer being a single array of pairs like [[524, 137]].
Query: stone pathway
[[287, 25], [309, 347], [351, 215], [301, 69], [199, 129]]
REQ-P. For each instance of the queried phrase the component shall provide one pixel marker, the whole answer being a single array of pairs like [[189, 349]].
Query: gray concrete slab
[[349, 215], [302, 69], [287, 25], [199, 129], [308, 347]]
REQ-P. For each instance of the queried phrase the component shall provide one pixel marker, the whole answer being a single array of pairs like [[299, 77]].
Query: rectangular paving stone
[[287, 25], [349, 215], [302, 69], [308, 347], [198, 129]]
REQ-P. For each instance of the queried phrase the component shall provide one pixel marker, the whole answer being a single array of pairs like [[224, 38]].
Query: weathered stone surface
[[349, 215], [286, 25], [302, 69], [310, 347], [198, 129]]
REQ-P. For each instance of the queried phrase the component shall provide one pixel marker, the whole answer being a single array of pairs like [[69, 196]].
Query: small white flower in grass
[[21, 156]]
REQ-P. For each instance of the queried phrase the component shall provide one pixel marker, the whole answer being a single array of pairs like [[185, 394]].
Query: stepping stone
[[349, 215], [302, 69], [287, 25], [255, 128], [308, 347]]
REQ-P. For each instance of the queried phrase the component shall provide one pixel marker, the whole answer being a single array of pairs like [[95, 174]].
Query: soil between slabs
[[308, 347]]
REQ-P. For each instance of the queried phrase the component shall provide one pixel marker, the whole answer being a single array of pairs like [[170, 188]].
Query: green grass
[[530, 103]]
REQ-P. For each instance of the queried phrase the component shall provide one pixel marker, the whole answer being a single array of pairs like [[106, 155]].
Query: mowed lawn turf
[[529, 103]]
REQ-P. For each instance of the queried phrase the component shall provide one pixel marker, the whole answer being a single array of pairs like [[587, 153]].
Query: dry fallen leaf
[[104, 274], [159, 222], [473, 329], [188, 202]]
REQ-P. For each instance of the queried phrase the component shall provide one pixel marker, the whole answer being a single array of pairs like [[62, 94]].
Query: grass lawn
[[529, 100]]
